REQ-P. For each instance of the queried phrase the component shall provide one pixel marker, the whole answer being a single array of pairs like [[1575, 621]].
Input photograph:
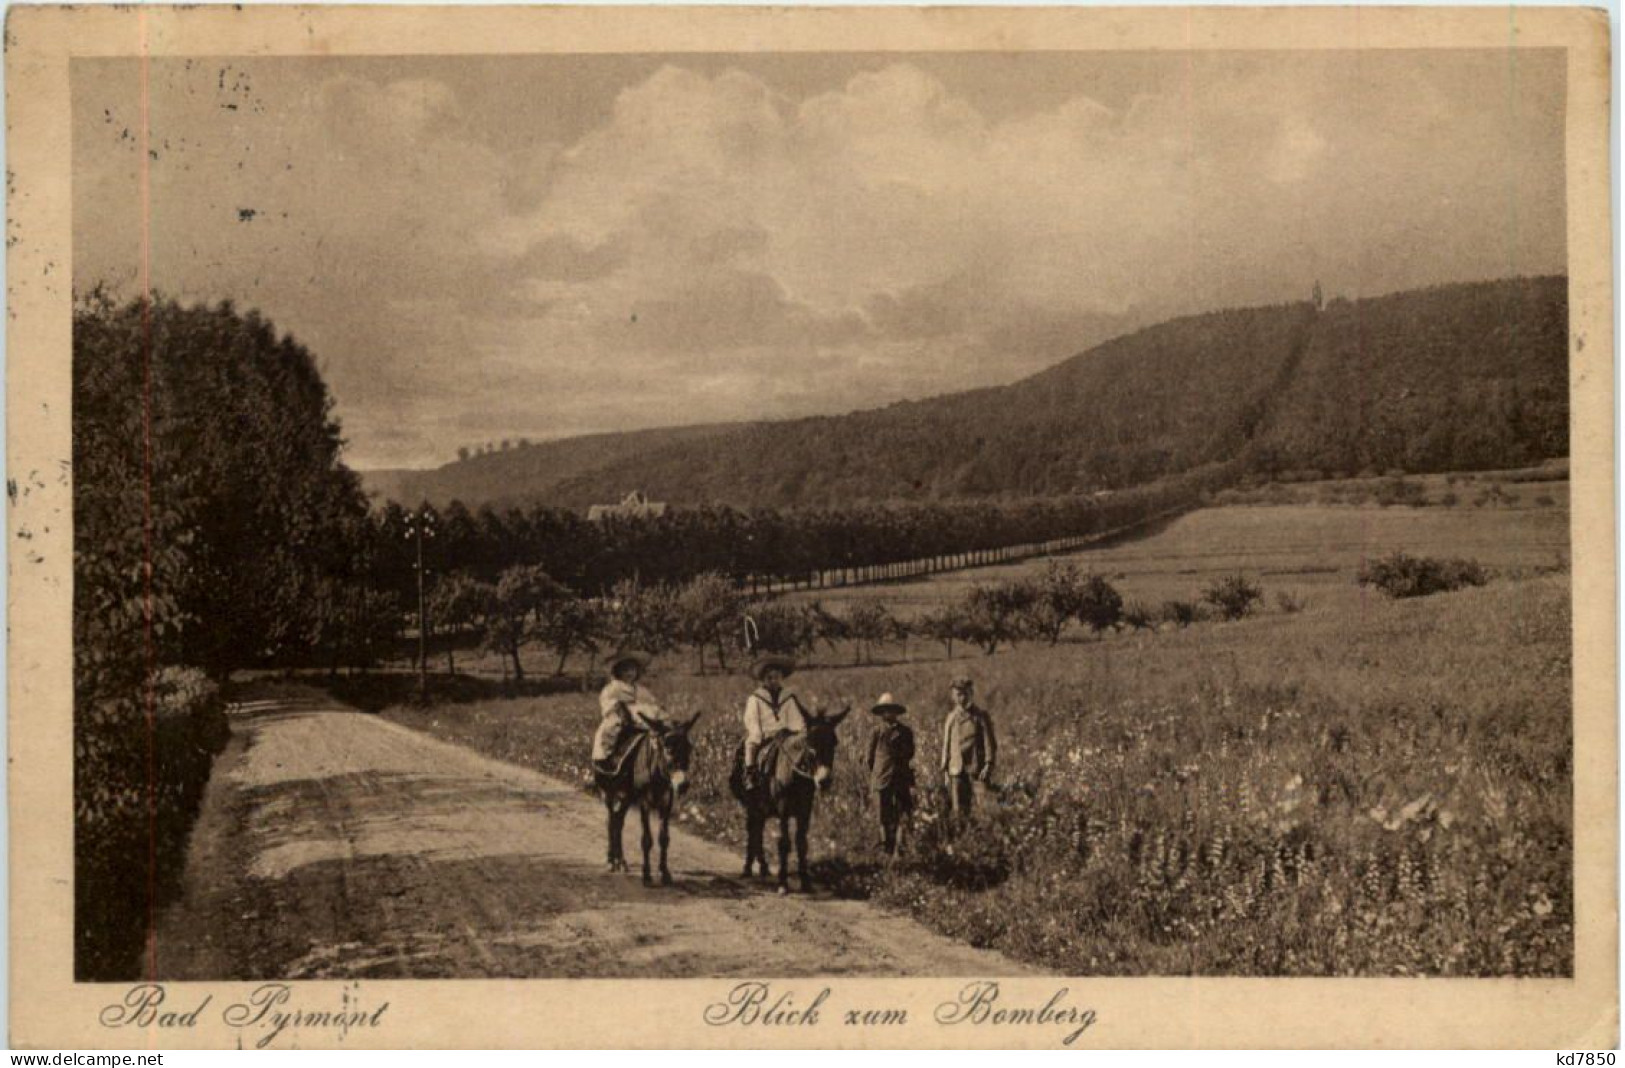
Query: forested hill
[[527, 471], [1453, 377], [1456, 378]]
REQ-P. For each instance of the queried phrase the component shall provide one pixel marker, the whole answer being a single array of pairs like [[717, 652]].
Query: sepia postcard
[[870, 527]]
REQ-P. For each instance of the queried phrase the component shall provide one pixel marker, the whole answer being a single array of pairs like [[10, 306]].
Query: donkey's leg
[[617, 819], [756, 834], [803, 818], [665, 840], [648, 843], [765, 866], [784, 852]]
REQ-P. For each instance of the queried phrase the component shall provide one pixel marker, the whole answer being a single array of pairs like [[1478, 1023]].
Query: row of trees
[[712, 617], [758, 548]]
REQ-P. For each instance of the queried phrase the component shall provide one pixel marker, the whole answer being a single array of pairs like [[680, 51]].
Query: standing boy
[[969, 748], [891, 769]]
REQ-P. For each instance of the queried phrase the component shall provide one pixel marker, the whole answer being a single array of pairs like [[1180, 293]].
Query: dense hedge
[[1402, 575], [214, 527], [140, 766]]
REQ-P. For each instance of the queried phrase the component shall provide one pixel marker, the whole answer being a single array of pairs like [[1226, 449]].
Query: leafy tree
[[828, 627], [782, 627], [368, 624], [1100, 605], [1059, 595], [945, 624], [708, 608], [242, 478], [870, 623], [522, 594], [996, 614], [457, 603], [643, 616], [1233, 596], [570, 624]]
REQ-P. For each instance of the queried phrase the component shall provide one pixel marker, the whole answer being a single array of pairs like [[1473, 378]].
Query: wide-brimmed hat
[[887, 703], [629, 656], [785, 664], [962, 682]]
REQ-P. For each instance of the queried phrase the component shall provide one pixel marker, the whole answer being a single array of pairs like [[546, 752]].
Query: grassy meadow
[[1360, 787], [1311, 550]]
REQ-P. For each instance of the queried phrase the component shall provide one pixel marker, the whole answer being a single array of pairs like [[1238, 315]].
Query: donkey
[[652, 772], [801, 766]]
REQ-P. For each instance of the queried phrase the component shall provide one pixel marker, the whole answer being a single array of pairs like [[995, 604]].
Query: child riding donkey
[[772, 713], [640, 758], [786, 758], [622, 703]]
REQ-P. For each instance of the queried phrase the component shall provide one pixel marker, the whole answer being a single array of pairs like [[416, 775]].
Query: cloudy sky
[[490, 247]]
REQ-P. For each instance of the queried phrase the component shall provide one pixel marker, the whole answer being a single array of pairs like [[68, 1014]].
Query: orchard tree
[[1233, 596], [708, 608], [458, 603], [870, 623], [643, 616], [945, 624], [1100, 606], [522, 593], [996, 614], [781, 627], [571, 624], [828, 627], [1057, 598]]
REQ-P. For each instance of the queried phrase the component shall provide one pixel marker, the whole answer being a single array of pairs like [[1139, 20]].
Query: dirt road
[[334, 844]]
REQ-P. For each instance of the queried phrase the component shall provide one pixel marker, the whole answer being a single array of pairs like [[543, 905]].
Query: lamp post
[[419, 525]]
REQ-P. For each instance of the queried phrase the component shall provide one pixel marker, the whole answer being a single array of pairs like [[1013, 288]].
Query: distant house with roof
[[633, 506]]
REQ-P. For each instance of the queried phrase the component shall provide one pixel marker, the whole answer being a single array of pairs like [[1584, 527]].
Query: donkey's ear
[[842, 714], [695, 718]]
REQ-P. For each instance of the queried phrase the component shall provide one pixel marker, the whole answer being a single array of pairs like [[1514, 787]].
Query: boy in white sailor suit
[[770, 710]]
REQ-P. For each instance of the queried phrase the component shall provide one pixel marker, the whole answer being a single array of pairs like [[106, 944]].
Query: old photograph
[[731, 512]]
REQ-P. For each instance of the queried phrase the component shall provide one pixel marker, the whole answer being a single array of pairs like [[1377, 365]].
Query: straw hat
[[887, 703], [629, 656], [785, 664]]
